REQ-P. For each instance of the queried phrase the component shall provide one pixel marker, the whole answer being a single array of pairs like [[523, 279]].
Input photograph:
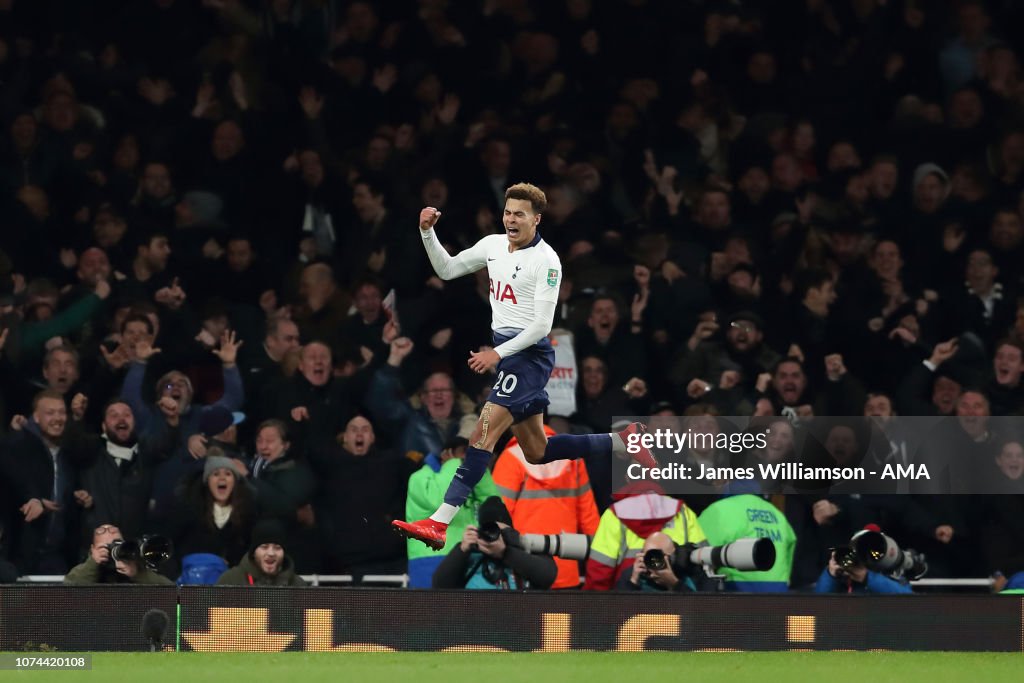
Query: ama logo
[[502, 292]]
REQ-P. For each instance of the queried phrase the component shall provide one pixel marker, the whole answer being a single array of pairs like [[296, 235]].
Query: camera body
[[880, 553], [489, 532], [123, 550], [655, 560], [846, 557], [150, 550]]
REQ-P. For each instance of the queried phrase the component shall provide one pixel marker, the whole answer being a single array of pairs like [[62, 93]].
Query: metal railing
[[402, 580], [397, 580]]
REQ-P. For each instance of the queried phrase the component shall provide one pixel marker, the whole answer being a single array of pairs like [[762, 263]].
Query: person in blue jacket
[[856, 579]]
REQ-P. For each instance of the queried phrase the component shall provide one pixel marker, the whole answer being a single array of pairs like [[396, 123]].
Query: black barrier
[[217, 619], [80, 618]]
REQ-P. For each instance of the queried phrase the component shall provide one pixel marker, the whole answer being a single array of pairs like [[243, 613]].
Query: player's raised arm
[[448, 267]]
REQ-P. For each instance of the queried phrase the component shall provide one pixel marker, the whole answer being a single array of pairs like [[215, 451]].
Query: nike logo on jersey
[[503, 395], [491, 259]]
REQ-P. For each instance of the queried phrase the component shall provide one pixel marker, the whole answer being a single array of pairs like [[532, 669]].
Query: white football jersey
[[517, 280]]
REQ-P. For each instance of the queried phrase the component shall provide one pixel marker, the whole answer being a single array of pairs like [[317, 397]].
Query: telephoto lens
[[745, 554], [124, 551], [654, 559], [155, 550], [566, 546], [846, 556], [489, 532]]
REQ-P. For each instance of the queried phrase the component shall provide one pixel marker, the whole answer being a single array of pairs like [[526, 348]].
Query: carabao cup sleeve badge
[[552, 277]]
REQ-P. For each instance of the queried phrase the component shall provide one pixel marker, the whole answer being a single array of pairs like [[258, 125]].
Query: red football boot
[[430, 532], [643, 456]]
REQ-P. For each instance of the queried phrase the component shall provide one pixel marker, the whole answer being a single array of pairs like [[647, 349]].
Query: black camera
[[879, 552], [654, 560], [846, 557], [152, 550], [489, 532], [124, 551]]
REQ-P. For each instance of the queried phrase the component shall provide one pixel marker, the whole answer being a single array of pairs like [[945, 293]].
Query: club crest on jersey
[[552, 277], [502, 292]]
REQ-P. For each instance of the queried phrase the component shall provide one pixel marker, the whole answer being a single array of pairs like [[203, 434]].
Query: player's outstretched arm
[[448, 267]]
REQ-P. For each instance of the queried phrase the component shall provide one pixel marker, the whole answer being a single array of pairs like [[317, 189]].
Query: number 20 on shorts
[[506, 384]]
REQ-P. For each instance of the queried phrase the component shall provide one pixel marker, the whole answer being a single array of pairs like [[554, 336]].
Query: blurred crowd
[[217, 313]]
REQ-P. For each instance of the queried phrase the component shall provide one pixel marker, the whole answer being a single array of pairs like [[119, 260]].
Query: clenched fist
[[428, 217]]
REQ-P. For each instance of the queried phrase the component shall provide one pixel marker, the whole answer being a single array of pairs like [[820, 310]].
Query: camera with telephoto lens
[[846, 557], [489, 532], [744, 554], [566, 546], [880, 553], [654, 559], [152, 550]]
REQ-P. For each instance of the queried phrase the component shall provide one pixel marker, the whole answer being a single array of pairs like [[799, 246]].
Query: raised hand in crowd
[[144, 350], [400, 349], [170, 410], [79, 404], [834, 367], [83, 498], [116, 359], [228, 350], [172, 297], [943, 351], [197, 446]]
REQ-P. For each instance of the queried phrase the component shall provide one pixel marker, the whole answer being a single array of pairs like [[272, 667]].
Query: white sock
[[618, 445], [445, 514]]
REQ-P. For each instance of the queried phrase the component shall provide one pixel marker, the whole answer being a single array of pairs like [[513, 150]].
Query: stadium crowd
[[217, 313]]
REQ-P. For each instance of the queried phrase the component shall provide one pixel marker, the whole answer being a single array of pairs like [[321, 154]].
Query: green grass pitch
[[591, 667]]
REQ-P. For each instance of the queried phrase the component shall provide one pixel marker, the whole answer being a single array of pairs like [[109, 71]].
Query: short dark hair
[[531, 193], [1010, 341], [274, 423], [368, 280], [274, 324], [145, 238], [812, 278], [136, 317], [113, 402], [376, 187], [787, 359], [63, 348], [608, 295]]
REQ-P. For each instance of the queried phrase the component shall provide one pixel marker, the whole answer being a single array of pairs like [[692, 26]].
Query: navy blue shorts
[[521, 379]]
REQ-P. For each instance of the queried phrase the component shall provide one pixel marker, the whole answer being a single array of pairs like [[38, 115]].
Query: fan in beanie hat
[[215, 460], [268, 531]]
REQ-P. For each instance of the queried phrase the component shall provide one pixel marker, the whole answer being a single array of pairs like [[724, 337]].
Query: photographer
[[850, 575], [652, 568], [489, 556], [99, 567]]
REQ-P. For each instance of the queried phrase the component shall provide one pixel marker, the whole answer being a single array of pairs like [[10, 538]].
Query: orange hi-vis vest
[[547, 499]]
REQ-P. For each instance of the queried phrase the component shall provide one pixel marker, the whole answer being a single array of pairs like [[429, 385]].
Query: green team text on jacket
[[750, 516]]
